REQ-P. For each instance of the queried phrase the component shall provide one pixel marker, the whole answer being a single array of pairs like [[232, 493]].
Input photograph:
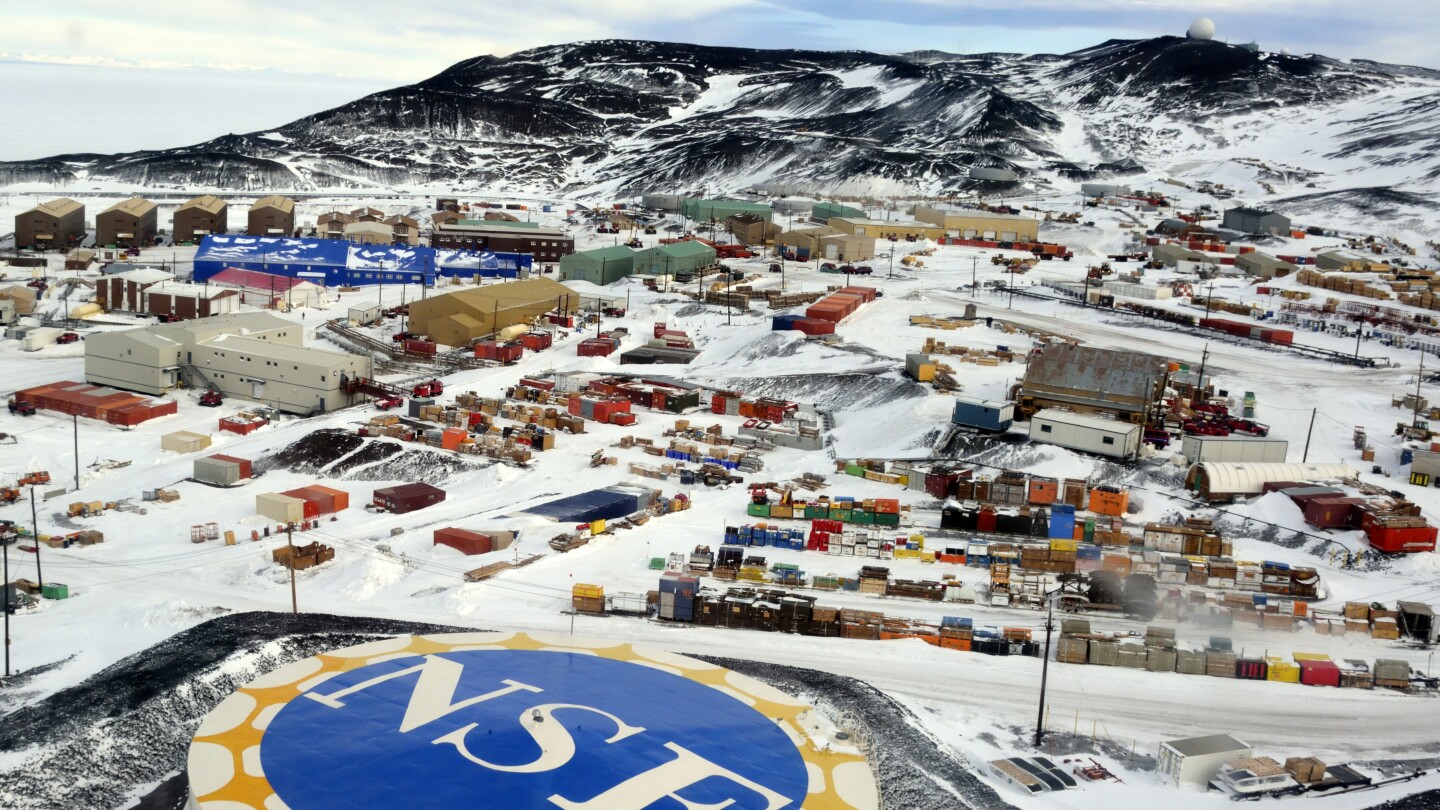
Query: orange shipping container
[[1044, 490], [1113, 504], [452, 438], [340, 499], [962, 644]]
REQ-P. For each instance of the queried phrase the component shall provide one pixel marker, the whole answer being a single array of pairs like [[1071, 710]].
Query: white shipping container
[[40, 337], [1091, 434], [1196, 449]]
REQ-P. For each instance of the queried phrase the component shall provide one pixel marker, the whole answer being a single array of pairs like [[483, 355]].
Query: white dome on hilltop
[[1202, 28]]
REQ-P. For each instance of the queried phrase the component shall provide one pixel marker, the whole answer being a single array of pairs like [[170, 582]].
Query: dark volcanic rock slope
[[624, 116]]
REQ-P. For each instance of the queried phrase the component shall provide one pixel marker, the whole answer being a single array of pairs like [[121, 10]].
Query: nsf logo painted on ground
[[516, 721]]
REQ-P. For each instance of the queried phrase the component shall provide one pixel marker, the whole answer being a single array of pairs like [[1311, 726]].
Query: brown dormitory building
[[200, 217], [128, 223], [547, 245], [55, 225], [272, 216]]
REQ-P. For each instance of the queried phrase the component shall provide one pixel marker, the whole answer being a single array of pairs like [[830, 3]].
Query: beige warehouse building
[[247, 355], [54, 225], [459, 317], [271, 216], [886, 228], [130, 223], [972, 223], [200, 217]]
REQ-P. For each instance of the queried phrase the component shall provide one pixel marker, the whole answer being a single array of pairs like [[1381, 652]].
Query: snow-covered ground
[[147, 581]]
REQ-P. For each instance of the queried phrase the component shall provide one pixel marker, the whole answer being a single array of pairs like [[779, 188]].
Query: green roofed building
[[824, 211], [721, 210], [599, 266], [679, 257]]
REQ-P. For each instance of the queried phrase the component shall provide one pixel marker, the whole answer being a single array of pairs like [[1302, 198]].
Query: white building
[[1197, 760], [1085, 432], [1233, 448], [249, 355]]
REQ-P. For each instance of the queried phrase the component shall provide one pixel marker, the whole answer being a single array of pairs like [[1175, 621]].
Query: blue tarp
[[345, 263], [600, 504]]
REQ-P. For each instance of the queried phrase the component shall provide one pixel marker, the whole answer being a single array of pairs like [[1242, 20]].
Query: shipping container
[[425, 347], [184, 441], [407, 497], [983, 414], [221, 470], [280, 508], [464, 541]]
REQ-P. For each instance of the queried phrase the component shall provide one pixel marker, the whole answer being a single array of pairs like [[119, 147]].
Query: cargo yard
[[1193, 501]]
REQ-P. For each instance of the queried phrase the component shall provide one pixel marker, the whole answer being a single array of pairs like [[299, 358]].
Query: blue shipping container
[[983, 414]]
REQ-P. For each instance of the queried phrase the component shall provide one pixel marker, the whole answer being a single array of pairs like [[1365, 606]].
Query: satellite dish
[[1202, 28]]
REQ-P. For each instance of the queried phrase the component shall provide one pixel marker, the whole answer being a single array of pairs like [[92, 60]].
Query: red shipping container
[[717, 403], [312, 504], [339, 498], [1251, 669], [867, 294], [419, 346], [465, 542], [1401, 540], [574, 405], [626, 418], [541, 385], [244, 463], [1319, 673], [595, 347], [537, 341], [985, 521]]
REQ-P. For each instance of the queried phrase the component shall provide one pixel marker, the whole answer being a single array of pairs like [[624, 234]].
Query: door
[[832, 251], [257, 389]]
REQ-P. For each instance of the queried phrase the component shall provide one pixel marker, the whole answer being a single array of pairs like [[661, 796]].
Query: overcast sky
[[266, 62]]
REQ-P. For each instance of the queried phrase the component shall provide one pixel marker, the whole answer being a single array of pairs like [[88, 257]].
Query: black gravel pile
[[343, 455]]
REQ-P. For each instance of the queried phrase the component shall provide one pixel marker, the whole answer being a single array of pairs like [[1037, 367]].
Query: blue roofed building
[[344, 263]]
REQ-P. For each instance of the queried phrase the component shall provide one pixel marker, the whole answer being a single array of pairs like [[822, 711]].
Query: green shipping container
[[55, 590], [657, 563], [1090, 531], [816, 511], [758, 510], [842, 515], [860, 517], [855, 470], [887, 519]]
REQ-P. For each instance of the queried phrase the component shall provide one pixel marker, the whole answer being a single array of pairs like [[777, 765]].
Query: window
[[1107, 440], [1046, 429]]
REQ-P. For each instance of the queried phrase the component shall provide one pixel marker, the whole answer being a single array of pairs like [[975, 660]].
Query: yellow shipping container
[[1282, 671], [597, 526], [1063, 545], [927, 556], [918, 540], [588, 591], [925, 372], [1304, 656], [752, 573]]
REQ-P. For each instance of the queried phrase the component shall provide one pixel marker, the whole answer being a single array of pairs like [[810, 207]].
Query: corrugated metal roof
[[1087, 375], [135, 207], [1250, 478], [205, 202], [59, 207], [275, 201], [1212, 744]]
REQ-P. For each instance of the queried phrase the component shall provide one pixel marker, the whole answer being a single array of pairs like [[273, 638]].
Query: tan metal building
[[22, 298], [199, 217], [129, 223], [886, 228], [249, 355], [1263, 265], [803, 240], [972, 223], [55, 225], [750, 229], [847, 247], [369, 232], [459, 317], [272, 216]]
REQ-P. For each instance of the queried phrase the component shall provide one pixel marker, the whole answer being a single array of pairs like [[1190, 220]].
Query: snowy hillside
[[618, 117]]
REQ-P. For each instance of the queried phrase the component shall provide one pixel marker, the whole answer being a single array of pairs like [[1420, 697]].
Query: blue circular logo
[[520, 729]]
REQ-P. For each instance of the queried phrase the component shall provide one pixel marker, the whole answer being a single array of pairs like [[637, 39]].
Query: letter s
[[557, 747]]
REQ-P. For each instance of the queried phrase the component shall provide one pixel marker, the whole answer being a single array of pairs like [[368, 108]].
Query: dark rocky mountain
[[612, 117]]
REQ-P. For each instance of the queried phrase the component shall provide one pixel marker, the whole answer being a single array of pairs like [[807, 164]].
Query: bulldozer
[[33, 478], [9, 494]]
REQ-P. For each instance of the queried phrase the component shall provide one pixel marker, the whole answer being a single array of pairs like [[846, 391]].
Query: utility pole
[[35, 527], [1415, 414], [1209, 297], [1200, 382], [290, 539], [75, 422], [1360, 330], [5, 551], [974, 267], [1011, 303], [1306, 457], [1045, 670]]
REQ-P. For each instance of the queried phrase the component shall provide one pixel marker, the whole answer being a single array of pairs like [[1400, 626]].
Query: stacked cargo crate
[[588, 598], [609, 410]]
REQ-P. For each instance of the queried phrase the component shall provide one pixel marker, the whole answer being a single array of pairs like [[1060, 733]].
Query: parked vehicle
[[22, 408], [211, 398], [401, 337], [67, 337], [389, 402], [830, 266], [775, 267]]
